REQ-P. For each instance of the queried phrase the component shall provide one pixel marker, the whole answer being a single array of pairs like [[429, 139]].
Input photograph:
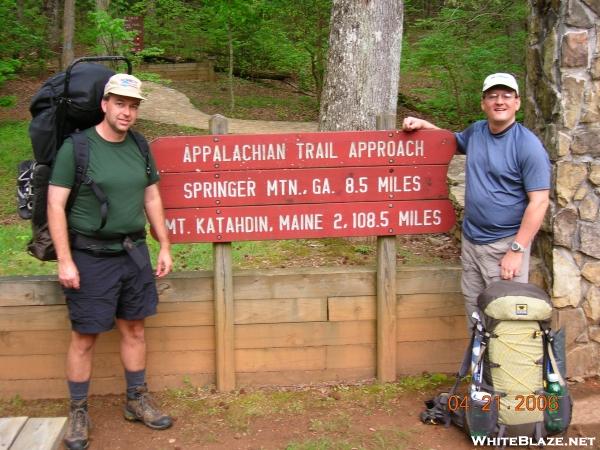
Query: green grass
[[14, 259], [16, 147], [323, 444]]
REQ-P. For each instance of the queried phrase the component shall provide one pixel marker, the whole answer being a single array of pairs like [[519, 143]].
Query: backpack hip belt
[[97, 247]]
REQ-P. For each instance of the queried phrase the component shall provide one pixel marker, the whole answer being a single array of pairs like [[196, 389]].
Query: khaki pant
[[481, 267]]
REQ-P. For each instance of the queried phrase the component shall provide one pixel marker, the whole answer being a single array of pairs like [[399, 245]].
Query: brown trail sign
[[225, 188]]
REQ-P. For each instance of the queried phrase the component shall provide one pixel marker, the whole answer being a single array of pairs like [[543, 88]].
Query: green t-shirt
[[119, 169]]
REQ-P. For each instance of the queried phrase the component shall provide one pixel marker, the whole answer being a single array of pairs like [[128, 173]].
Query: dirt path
[[326, 417], [168, 105]]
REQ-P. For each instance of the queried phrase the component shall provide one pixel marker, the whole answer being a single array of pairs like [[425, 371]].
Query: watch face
[[515, 247]]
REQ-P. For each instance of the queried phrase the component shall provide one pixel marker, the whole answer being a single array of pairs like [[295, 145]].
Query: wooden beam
[[41, 434], [57, 388], [159, 339], [295, 377], [430, 356], [42, 367], [279, 359], [304, 334], [281, 310], [223, 292], [10, 427], [386, 290]]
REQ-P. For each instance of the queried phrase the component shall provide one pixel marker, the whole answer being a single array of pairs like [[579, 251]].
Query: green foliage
[[111, 36], [466, 41], [8, 101], [23, 32], [154, 77], [8, 67]]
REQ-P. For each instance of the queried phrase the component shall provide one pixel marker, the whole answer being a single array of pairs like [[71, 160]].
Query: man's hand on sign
[[413, 123]]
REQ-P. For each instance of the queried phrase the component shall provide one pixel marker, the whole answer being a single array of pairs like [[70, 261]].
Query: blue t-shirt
[[501, 168]]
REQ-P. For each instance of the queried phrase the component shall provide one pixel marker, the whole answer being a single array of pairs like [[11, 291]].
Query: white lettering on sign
[[244, 152], [427, 217], [297, 222], [219, 189], [319, 150], [175, 226], [399, 184], [390, 149], [241, 224], [282, 187], [321, 186]]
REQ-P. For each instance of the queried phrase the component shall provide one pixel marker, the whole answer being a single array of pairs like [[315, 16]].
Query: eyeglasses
[[504, 96]]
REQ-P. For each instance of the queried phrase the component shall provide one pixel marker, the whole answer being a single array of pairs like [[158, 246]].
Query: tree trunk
[[230, 45], [68, 31], [101, 44], [52, 12], [363, 67]]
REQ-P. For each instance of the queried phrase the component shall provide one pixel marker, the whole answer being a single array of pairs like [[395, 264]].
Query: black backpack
[[66, 103]]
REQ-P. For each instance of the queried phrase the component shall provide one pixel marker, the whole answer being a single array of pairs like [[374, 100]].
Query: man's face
[[500, 105], [120, 112]]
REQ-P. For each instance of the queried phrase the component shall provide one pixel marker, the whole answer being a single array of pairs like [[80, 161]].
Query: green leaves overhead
[[458, 47]]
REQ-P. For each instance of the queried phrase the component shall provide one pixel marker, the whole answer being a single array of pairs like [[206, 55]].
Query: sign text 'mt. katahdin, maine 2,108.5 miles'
[[286, 186]]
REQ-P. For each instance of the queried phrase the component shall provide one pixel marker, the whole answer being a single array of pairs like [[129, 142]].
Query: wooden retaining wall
[[291, 326], [201, 71]]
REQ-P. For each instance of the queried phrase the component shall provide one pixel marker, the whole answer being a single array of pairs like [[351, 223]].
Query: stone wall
[[563, 108]]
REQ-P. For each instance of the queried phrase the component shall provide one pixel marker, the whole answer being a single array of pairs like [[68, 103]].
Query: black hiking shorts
[[110, 286]]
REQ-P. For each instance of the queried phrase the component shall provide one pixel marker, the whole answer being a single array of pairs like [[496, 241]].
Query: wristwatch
[[516, 247]]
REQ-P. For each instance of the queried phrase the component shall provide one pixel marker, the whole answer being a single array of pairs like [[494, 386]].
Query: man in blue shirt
[[507, 190]]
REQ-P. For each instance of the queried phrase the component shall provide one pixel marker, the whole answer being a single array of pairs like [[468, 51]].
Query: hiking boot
[[144, 408], [79, 424]]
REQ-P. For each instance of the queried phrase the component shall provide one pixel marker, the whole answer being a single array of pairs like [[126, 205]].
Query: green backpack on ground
[[517, 368]]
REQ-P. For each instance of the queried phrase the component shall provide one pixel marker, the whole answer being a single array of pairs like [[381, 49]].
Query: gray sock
[[78, 390], [134, 380]]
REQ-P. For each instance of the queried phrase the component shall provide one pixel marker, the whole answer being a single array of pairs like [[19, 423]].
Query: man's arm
[[68, 275], [510, 265], [156, 217], [412, 124]]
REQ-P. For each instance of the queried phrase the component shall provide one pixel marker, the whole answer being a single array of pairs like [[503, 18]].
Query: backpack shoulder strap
[[81, 154], [144, 148]]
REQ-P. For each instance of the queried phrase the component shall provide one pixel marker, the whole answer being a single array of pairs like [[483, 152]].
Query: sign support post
[[223, 292], [386, 290]]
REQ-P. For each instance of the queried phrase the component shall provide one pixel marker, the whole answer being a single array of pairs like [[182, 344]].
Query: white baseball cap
[[125, 85], [501, 79]]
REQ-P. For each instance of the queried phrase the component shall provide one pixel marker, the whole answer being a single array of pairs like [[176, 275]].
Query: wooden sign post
[[223, 289], [386, 289], [222, 188]]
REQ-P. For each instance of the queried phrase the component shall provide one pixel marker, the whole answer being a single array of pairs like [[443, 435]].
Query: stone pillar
[[563, 109]]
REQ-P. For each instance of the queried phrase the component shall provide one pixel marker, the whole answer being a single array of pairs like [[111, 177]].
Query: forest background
[[448, 47]]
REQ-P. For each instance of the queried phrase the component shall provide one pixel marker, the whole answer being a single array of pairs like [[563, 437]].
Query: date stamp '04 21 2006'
[[530, 402]]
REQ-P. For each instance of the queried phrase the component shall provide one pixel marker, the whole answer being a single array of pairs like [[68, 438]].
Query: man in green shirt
[[105, 269]]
